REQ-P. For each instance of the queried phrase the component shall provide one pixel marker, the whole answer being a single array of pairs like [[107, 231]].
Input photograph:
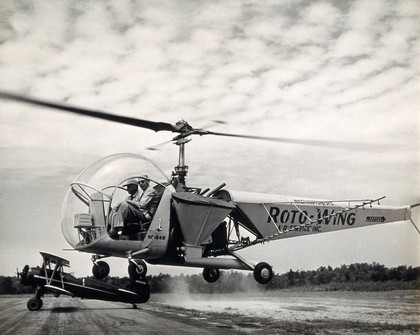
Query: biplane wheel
[[263, 273], [211, 275], [137, 269], [34, 304], [100, 270]]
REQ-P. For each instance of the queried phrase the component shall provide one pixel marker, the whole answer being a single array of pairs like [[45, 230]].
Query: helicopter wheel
[[100, 270], [137, 269], [263, 273], [211, 275], [34, 304]]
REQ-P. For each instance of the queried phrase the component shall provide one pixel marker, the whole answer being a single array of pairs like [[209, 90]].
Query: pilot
[[135, 209]]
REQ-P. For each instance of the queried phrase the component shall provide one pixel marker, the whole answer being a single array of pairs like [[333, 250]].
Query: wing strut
[[412, 206], [415, 226]]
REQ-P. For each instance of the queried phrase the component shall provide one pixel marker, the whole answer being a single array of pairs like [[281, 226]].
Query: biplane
[[50, 277], [194, 226]]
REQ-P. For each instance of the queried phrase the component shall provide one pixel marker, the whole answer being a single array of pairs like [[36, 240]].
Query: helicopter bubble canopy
[[103, 183]]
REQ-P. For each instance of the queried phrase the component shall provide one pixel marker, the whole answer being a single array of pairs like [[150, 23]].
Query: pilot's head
[[144, 182], [132, 186]]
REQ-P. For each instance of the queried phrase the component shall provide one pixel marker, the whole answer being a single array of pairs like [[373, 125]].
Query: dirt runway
[[76, 316], [284, 313]]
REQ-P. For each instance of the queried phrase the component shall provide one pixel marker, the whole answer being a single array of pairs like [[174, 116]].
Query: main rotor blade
[[182, 127], [318, 143], [156, 126]]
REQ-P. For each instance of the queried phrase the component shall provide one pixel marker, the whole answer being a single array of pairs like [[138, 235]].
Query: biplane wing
[[50, 258], [58, 290]]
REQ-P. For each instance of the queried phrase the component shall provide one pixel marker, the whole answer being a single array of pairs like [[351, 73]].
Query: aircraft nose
[[24, 275]]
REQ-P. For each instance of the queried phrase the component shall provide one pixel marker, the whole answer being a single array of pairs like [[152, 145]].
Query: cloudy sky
[[346, 71]]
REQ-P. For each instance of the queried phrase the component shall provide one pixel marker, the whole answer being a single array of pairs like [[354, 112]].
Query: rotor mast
[[181, 169], [185, 130]]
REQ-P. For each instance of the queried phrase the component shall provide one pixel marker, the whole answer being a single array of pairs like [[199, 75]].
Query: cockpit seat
[[134, 227]]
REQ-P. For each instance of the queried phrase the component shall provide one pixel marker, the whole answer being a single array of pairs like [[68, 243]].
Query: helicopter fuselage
[[193, 228]]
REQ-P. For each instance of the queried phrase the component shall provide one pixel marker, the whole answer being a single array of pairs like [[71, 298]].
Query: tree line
[[354, 277]]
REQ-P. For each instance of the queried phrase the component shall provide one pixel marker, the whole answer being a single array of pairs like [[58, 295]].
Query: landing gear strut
[[35, 303]]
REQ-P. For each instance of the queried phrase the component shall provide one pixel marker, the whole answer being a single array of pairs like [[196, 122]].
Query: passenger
[[135, 209], [146, 197]]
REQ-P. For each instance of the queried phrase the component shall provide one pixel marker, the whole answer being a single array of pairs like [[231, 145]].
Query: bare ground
[[284, 313]]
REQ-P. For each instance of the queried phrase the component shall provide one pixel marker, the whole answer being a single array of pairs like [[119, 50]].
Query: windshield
[[103, 181]]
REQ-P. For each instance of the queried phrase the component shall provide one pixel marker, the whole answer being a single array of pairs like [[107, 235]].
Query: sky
[[343, 71]]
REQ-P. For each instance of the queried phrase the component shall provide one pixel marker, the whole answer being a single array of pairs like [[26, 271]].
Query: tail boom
[[291, 217]]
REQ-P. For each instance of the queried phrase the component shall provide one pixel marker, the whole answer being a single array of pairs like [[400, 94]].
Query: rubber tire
[[100, 270], [211, 275], [263, 273], [34, 304], [139, 271]]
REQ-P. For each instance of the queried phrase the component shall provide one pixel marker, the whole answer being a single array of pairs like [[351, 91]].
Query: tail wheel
[[100, 270], [137, 269], [34, 304], [211, 275], [263, 273]]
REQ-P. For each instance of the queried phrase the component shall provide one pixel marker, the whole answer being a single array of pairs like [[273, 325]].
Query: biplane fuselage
[[51, 278]]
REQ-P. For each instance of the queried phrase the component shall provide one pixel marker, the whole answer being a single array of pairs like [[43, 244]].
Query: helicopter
[[193, 226]]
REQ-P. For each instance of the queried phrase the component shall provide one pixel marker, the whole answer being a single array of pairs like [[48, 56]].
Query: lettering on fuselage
[[296, 217], [314, 202], [305, 228], [156, 237], [376, 219]]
